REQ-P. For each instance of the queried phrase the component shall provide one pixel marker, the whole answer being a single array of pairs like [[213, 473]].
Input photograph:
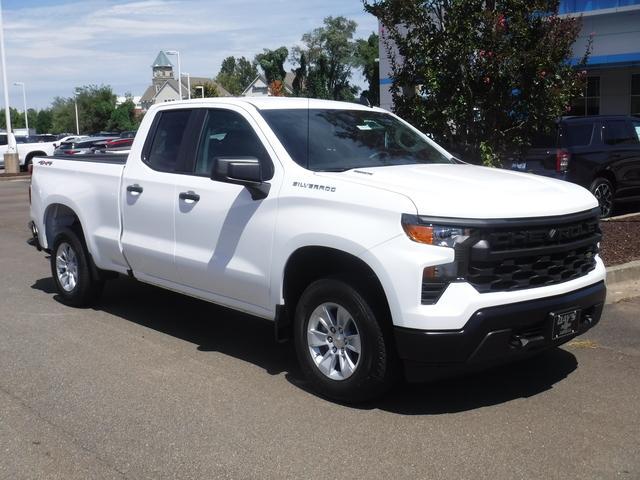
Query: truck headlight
[[435, 278], [431, 234]]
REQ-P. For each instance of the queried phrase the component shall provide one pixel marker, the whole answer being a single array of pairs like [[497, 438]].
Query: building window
[[589, 103], [571, 6], [635, 94]]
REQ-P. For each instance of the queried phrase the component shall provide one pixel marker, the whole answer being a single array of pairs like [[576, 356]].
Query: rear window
[[167, 140], [577, 135]]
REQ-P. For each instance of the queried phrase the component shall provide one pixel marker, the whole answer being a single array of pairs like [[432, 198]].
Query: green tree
[[63, 118], [95, 105], [236, 74], [123, 118], [44, 121], [272, 63], [17, 119], [210, 90], [329, 54], [367, 59], [485, 75]]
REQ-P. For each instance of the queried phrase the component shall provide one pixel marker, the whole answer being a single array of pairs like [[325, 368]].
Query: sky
[[55, 45]]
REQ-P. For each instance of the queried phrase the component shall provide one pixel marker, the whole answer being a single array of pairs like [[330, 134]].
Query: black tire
[[604, 191], [86, 289], [375, 370], [27, 162]]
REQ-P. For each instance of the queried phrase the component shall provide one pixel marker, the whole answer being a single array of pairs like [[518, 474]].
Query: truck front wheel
[[71, 272], [340, 342]]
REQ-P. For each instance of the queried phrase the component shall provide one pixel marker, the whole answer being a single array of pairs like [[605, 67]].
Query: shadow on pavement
[[251, 339], [498, 385]]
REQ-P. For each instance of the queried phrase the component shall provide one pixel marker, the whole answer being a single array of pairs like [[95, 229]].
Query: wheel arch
[[58, 216], [310, 263], [31, 155], [607, 174]]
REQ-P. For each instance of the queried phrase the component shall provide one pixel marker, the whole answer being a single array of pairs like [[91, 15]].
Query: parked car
[[27, 150], [600, 153], [68, 139], [44, 138], [129, 134], [81, 147], [115, 145], [365, 242]]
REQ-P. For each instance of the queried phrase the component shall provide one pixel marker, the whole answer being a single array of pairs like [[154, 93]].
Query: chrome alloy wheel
[[605, 198], [334, 341], [67, 267]]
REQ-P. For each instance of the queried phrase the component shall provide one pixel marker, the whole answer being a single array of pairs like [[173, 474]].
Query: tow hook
[[521, 341]]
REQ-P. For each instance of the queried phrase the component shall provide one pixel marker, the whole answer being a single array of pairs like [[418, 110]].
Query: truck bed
[[113, 158]]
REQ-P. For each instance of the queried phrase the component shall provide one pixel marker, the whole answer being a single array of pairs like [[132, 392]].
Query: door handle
[[134, 189], [190, 195]]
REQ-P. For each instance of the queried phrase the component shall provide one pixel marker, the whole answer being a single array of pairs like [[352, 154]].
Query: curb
[[623, 273], [13, 178], [620, 217]]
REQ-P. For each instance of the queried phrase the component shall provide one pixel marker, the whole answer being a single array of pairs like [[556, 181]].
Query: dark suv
[[601, 153]]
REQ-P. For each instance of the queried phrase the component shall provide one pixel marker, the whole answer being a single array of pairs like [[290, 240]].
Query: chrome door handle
[[135, 189], [190, 195]]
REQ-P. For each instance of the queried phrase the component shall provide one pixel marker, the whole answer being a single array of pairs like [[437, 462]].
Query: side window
[[167, 140], [228, 134], [636, 128], [617, 133]]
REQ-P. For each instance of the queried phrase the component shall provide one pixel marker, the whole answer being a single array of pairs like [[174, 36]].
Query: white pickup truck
[[366, 243], [26, 151]]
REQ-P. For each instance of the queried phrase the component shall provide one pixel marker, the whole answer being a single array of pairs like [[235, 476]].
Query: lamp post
[[24, 100], [201, 87], [188, 84], [11, 160], [75, 104], [177, 54]]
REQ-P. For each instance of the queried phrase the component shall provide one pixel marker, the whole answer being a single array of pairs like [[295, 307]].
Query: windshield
[[338, 140]]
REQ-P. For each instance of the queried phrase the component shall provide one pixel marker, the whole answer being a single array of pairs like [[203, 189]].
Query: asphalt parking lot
[[150, 384]]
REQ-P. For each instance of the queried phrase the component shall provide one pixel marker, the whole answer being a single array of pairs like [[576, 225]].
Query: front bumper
[[495, 335]]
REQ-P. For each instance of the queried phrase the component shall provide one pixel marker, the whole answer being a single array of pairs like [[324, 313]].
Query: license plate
[[565, 323], [519, 165]]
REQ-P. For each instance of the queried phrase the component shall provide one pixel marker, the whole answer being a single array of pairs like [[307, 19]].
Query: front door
[[224, 238]]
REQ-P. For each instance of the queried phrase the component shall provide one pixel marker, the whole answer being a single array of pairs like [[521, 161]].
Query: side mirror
[[246, 171]]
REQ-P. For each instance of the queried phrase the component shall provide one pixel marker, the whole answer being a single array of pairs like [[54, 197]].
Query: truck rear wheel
[[71, 271], [340, 343]]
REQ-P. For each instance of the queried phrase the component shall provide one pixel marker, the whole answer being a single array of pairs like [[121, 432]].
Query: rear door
[[623, 147], [148, 196], [224, 238]]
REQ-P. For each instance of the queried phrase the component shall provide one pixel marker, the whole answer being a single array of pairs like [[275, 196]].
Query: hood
[[469, 191]]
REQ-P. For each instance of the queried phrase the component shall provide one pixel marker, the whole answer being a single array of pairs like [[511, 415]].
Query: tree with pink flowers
[[483, 77]]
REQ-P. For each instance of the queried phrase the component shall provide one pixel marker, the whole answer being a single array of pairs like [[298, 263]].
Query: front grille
[[515, 257], [529, 272]]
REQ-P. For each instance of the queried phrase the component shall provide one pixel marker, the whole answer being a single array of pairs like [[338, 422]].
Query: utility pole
[[11, 160]]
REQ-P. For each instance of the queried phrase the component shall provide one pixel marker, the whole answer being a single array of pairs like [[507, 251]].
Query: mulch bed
[[620, 240]]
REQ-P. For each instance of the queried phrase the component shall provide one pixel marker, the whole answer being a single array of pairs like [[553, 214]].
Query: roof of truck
[[274, 103]]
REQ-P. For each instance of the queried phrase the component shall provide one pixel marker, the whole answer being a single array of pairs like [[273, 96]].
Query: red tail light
[[562, 160], [70, 152]]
